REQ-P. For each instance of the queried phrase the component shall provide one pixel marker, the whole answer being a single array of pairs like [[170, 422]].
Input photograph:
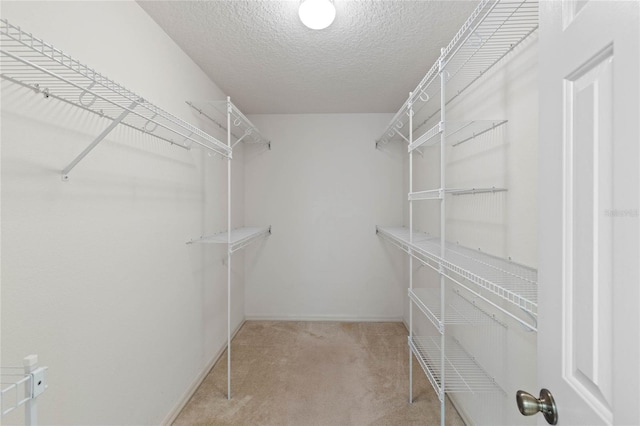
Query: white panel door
[[589, 325]]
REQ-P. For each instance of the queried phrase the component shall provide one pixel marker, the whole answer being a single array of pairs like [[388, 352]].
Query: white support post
[[96, 141], [229, 251], [443, 221], [31, 406], [410, 106]]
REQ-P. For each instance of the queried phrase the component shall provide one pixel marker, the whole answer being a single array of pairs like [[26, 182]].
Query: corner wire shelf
[[493, 30], [20, 386], [423, 93], [438, 194], [239, 238], [462, 373], [37, 65], [455, 132], [242, 129], [459, 310], [475, 271]]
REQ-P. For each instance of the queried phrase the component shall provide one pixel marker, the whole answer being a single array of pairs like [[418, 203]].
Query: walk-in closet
[[320, 212]]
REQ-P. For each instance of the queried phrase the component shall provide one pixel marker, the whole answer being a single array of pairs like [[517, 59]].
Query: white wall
[[503, 224], [96, 276], [323, 187]]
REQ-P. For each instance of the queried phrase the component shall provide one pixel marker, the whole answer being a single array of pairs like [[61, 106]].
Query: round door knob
[[530, 405]]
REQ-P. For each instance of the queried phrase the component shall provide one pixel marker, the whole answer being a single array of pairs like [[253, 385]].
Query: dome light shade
[[317, 14]]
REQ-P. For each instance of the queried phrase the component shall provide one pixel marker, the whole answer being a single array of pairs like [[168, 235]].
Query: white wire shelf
[[510, 281], [493, 30], [437, 194], [239, 238], [242, 130], [20, 385], [456, 132], [458, 310], [461, 372], [39, 66]]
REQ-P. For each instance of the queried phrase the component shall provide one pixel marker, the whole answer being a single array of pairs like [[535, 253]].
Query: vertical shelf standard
[[234, 239]]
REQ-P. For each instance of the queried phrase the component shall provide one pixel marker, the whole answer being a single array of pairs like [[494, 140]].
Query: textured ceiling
[[261, 55]]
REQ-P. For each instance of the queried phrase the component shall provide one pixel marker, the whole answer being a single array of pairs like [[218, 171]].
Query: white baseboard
[[173, 414], [337, 318]]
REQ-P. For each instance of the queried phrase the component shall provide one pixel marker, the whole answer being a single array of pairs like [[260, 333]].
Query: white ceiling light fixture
[[317, 14]]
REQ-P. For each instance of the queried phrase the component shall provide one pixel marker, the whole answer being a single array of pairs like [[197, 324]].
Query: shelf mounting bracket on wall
[[96, 141]]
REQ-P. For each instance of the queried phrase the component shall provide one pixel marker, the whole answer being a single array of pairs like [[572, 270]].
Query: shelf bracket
[[96, 141], [246, 133], [402, 136]]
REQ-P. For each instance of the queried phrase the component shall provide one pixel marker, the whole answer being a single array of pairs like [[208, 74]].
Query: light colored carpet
[[316, 373]]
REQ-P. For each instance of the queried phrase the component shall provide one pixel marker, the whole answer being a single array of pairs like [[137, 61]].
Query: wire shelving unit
[[46, 70], [494, 29], [239, 129], [21, 386]]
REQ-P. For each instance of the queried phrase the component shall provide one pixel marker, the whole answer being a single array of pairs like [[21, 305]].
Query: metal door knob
[[530, 405]]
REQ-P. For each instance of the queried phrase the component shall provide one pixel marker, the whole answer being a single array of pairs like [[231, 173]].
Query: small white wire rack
[[493, 30], [456, 132], [466, 267], [459, 310], [242, 129], [461, 372], [437, 194], [20, 386], [40, 67], [237, 240]]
